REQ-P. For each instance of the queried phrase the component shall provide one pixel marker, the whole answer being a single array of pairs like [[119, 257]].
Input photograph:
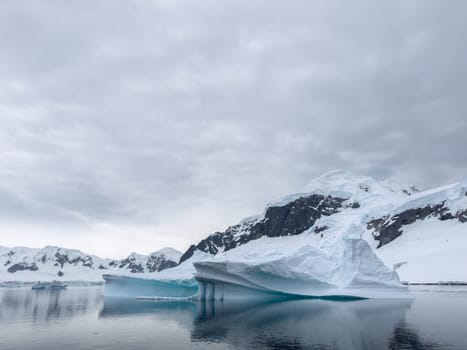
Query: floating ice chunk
[[176, 282], [128, 286], [289, 267]]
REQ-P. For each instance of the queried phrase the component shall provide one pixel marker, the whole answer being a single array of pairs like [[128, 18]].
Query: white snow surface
[[169, 253], [354, 187], [429, 251]]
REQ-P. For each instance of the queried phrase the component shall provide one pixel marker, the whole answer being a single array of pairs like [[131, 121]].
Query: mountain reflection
[[406, 338], [46, 305]]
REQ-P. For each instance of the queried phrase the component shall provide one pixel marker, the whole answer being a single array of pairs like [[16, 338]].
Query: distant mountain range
[[30, 264]]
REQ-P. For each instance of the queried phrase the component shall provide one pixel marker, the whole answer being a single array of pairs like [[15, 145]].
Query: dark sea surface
[[80, 318]]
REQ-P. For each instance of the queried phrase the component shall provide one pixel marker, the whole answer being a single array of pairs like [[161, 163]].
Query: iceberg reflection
[[297, 324]]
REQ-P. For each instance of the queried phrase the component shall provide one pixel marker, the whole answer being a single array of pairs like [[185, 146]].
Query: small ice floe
[[49, 285]]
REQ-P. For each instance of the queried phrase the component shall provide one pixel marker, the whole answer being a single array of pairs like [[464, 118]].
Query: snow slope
[[431, 251], [428, 235]]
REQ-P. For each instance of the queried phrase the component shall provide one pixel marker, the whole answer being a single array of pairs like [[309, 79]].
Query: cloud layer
[[133, 125]]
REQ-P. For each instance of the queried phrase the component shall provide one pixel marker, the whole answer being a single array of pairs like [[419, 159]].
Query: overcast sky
[[134, 125]]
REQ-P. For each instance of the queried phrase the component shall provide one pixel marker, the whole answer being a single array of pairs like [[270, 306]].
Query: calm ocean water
[[79, 318]]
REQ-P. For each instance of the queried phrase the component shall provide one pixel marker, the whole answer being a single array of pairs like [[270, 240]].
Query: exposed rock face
[[319, 229], [138, 263], [290, 219], [387, 229], [22, 267], [462, 215], [130, 264], [159, 263], [62, 259]]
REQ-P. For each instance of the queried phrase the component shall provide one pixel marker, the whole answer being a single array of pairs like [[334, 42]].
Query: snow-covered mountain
[[31, 264], [154, 262], [421, 234]]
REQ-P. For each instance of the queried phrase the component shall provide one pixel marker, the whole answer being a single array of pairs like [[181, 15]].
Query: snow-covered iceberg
[[291, 267]]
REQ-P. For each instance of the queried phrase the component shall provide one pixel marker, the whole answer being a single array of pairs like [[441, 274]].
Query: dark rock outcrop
[[462, 215], [130, 263], [320, 229], [154, 263], [22, 267], [62, 259], [387, 229], [158, 263], [290, 219], [10, 254]]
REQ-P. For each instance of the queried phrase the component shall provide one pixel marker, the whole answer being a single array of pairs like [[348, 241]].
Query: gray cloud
[[136, 124]]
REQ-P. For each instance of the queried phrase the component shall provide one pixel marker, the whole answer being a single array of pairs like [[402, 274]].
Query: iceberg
[[129, 286], [176, 282], [288, 267]]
